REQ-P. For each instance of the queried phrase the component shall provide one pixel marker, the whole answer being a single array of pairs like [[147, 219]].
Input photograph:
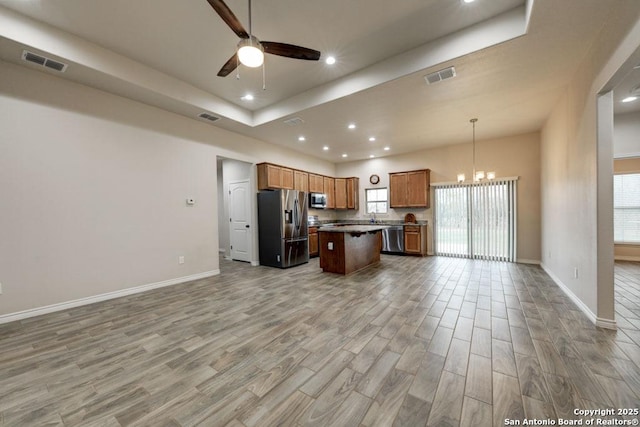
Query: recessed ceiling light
[[302, 138], [630, 99], [468, 1], [387, 148], [352, 126], [371, 156], [330, 60], [344, 154], [373, 138], [325, 148], [247, 97]]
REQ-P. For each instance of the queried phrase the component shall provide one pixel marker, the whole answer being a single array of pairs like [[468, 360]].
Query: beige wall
[[93, 189], [513, 156], [627, 135], [570, 187], [627, 252]]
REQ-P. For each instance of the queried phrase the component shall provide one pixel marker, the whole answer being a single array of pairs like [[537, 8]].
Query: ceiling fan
[[251, 50]]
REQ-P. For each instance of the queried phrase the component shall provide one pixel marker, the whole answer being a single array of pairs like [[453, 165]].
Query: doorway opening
[[237, 216]]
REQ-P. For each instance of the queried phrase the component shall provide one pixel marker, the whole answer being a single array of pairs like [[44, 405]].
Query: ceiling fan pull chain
[[264, 76], [237, 67]]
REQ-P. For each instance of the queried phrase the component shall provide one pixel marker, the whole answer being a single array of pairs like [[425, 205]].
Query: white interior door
[[240, 220]]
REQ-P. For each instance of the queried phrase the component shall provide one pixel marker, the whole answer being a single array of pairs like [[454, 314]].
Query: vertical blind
[[476, 220], [626, 208]]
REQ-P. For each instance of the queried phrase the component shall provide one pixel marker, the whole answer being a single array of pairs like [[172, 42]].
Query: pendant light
[[477, 175]]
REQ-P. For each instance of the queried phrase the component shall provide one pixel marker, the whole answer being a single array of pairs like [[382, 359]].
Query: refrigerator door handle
[[296, 213], [299, 239]]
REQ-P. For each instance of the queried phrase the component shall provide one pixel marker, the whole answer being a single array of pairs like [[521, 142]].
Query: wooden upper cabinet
[[340, 185], [398, 190], [353, 193], [342, 193], [409, 189], [329, 190], [418, 188], [274, 177], [287, 178], [301, 181], [316, 183]]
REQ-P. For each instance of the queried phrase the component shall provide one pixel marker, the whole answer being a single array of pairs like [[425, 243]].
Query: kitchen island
[[349, 248]]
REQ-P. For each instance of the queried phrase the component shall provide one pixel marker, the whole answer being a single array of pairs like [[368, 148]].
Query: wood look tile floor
[[409, 342]]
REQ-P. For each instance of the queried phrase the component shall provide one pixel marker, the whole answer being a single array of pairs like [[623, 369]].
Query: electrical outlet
[[0, 288], [330, 246], [180, 260], [575, 272]]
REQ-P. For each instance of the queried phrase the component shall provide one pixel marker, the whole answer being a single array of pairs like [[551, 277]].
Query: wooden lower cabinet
[[415, 239], [313, 242]]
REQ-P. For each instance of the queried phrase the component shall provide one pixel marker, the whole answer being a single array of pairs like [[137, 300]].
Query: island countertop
[[349, 248]]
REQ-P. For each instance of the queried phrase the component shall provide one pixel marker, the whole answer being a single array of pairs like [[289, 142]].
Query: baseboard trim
[[606, 323], [528, 261], [255, 263], [33, 312], [598, 321], [627, 258]]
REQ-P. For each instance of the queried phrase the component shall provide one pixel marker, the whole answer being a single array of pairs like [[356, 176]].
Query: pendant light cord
[[473, 122]]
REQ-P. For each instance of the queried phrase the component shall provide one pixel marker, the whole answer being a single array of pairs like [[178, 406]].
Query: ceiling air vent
[[43, 61], [208, 116], [294, 121], [441, 75]]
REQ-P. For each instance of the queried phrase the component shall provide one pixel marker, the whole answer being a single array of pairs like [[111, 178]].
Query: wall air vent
[[441, 75], [294, 121], [208, 117], [43, 61]]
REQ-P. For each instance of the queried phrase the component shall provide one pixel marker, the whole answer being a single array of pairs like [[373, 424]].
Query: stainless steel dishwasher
[[393, 240]]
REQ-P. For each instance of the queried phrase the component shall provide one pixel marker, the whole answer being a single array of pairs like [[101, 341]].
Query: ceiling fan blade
[[229, 66], [290, 51], [227, 16]]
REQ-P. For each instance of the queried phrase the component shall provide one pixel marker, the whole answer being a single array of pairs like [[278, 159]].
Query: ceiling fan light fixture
[[250, 52]]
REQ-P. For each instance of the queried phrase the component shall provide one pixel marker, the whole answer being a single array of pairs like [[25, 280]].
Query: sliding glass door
[[476, 220]]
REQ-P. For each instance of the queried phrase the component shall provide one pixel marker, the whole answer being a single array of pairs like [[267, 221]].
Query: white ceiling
[[511, 58]]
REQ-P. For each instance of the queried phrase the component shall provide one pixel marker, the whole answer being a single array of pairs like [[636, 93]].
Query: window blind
[[476, 220], [626, 208]]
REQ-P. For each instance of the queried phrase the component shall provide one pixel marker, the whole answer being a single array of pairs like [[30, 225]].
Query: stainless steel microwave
[[317, 200]]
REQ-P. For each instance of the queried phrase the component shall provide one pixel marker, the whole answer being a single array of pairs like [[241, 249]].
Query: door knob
[[246, 226]]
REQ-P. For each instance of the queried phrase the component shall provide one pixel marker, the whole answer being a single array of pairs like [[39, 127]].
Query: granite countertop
[[353, 228], [385, 223]]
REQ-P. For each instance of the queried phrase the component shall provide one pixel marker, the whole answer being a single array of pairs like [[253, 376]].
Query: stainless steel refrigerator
[[282, 228]]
